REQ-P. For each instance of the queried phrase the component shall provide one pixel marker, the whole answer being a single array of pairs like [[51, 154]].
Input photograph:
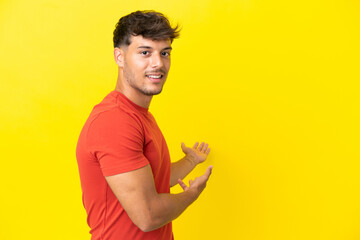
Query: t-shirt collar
[[122, 96]]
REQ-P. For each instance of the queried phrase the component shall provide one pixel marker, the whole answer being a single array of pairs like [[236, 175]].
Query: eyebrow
[[147, 47]]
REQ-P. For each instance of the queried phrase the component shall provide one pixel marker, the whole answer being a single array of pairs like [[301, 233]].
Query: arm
[[148, 209], [193, 156]]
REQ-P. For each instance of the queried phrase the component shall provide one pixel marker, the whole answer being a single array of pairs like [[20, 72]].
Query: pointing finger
[[201, 146], [196, 145]]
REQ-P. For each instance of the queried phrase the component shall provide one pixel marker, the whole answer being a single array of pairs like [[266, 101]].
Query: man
[[123, 159]]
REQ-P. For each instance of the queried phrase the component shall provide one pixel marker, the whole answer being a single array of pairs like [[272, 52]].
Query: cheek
[[167, 64], [138, 62], [141, 65]]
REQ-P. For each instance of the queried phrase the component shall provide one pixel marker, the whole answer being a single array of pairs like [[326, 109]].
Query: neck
[[133, 95]]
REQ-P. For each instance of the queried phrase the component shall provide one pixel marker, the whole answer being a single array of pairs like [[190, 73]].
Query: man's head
[[142, 42], [149, 24]]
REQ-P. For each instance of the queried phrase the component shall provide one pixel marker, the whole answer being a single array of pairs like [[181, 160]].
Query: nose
[[156, 61]]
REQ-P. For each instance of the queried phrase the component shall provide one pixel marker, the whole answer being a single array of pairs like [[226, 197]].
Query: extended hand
[[198, 153], [198, 183]]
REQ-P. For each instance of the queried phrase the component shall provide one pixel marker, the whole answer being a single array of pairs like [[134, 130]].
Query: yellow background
[[272, 85]]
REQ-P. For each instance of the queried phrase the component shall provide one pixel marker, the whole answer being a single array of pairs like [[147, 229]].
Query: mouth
[[155, 77]]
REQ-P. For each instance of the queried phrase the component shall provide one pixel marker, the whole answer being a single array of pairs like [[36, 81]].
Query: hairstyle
[[149, 24]]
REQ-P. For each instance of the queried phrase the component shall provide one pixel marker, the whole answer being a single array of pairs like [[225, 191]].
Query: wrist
[[191, 159], [193, 192]]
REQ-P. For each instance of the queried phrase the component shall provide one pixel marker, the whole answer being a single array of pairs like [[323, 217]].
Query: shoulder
[[116, 119]]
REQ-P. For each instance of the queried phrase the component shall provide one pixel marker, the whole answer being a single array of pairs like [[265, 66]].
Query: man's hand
[[193, 156], [197, 154], [198, 183]]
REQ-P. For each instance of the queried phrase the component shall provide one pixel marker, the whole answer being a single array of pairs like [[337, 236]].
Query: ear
[[119, 56]]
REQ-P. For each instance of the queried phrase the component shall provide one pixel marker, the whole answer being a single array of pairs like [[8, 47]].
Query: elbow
[[146, 226], [146, 223], [143, 224], [147, 217]]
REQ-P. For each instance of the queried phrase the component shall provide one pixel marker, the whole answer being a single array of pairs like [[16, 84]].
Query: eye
[[165, 54], [144, 53]]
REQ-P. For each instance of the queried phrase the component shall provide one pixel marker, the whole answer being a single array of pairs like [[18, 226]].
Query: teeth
[[154, 76]]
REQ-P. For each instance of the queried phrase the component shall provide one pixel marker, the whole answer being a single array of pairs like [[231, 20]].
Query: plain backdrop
[[271, 85]]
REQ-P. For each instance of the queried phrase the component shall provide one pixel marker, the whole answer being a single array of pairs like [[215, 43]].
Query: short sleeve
[[116, 140]]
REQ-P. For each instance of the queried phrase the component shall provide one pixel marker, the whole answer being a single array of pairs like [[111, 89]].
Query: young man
[[123, 159]]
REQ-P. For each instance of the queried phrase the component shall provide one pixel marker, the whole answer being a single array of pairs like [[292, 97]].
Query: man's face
[[146, 64]]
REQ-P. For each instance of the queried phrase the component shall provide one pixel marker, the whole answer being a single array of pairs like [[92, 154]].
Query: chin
[[151, 92]]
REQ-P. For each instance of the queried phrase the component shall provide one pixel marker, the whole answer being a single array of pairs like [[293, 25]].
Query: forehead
[[140, 41]]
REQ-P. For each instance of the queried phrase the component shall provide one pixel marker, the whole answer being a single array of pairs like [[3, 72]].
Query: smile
[[154, 76]]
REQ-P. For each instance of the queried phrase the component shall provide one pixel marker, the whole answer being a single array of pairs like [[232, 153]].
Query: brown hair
[[149, 24]]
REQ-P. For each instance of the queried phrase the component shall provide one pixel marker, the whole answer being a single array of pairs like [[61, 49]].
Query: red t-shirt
[[119, 136]]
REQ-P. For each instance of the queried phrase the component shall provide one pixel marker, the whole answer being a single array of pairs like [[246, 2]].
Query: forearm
[[164, 208], [147, 208], [181, 169]]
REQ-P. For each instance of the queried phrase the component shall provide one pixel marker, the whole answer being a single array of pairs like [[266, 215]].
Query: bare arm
[[148, 209], [193, 156]]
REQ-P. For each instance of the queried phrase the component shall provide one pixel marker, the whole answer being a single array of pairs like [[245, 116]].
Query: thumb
[[184, 148], [208, 171]]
